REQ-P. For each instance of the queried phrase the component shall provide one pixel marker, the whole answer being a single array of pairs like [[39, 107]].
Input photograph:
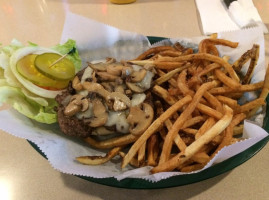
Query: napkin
[[216, 16]]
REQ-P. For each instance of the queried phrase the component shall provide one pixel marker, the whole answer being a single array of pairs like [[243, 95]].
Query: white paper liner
[[90, 35]]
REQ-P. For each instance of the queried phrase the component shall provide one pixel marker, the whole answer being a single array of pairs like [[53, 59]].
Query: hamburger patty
[[70, 125]]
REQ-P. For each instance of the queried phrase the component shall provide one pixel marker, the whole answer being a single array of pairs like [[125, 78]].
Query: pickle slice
[[63, 69], [25, 66]]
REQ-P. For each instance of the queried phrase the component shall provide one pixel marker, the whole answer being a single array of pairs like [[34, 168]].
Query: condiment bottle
[[122, 1]]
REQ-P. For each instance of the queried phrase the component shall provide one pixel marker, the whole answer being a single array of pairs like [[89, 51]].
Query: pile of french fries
[[195, 96]]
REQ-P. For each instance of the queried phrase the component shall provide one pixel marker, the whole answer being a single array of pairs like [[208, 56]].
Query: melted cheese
[[118, 119], [87, 74], [138, 99], [86, 114], [146, 82]]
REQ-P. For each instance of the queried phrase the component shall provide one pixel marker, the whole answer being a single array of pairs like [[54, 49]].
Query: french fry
[[182, 85], [229, 101], [190, 131], [195, 96], [98, 160], [153, 50], [206, 126], [133, 162], [180, 121], [203, 56], [182, 157], [193, 121], [250, 105], [215, 41], [164, 94], [228, 133], [252, 65], [171, 81], [141, 154], [110, 143], [191, 168], [214, 102], [152, 150], [264, 92], [153, 127], [238, 130], [242, 88], [209, 111], [201, 157], [226, 80], [166, 77]]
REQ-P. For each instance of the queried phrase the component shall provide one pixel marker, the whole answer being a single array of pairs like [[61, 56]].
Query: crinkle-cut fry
[[182, 85], [166, 150], [98, 160], [264, 92], [242, 88], [229, 101], [164, 94], [152, 150], [153, 50], [113, 142], [193, 148], [252, 65], [167, 76], [250, 105], [226, 80], [206, 126], [228, 133], [214, 102], [203, 56], [209, 111], [154, 127]]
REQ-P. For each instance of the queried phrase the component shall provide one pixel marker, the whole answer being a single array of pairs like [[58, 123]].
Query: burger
[[107, 98]]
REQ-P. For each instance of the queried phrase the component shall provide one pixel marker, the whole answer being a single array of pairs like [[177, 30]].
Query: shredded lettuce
[[28, 99]]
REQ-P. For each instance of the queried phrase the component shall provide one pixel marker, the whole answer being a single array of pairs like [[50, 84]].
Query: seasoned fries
[[195, 97]]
